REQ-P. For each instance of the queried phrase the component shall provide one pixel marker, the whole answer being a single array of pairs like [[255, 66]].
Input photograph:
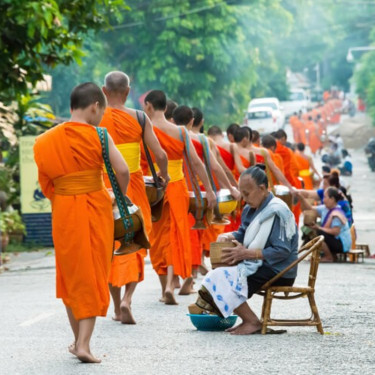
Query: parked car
[[262, 119], [299, 100], [273, 104]]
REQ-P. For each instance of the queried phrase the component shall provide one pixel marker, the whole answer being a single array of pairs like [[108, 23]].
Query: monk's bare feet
[[246, 329], [203, 270], [126, 314], [187, 287], [117, 317], [162, 299], [169, 298], [72, 348], [176, 282], [86, 357]]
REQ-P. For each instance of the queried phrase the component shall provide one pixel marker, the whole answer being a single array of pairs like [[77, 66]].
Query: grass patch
[[14, 247]]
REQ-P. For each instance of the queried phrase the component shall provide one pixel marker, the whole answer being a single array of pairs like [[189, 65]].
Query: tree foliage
[[364, 78], [45, 33], [202, 53], [219, 54]]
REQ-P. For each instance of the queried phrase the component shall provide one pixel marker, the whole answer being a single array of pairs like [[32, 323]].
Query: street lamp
[[350, 57]]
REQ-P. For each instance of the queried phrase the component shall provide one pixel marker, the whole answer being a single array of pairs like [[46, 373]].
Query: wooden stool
[[270, 292]]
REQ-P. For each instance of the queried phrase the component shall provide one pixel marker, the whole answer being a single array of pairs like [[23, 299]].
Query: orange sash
[[81, 182]]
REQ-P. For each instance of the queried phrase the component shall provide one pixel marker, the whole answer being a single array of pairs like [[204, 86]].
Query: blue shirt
[[277, 254], [344, 234], [344, 205]]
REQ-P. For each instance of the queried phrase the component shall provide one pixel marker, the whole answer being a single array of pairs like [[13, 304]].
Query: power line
[[160, 19]]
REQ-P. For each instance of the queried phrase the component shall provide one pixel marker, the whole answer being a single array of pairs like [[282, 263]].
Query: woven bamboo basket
[[309, 217], [216, 253]]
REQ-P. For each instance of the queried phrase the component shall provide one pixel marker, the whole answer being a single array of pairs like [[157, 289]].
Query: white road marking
[[37, 319]]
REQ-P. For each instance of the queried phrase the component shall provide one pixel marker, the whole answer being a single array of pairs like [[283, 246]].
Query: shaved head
[[117, 82], [85, 95]]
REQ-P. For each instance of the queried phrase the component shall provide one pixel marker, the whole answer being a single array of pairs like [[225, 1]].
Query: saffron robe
[[304, 171], [69, 160], [126, 133], [314, 139], [210, 234], [170, 240]]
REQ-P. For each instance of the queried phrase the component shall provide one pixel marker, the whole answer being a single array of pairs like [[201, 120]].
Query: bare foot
[[72, 348], [176, 282], [203, 270], [126, 314], [232, 328], [246, 329], [169, 298], [187, 287], [86, 357], [162, 299], [116, 317]]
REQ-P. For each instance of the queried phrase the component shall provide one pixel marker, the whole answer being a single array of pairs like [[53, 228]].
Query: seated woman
[[347, 166], [266, 243], [318, 195], [334, 225]]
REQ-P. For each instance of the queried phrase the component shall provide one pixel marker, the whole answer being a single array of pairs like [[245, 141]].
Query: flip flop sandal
[[202, 304], [206, 296]]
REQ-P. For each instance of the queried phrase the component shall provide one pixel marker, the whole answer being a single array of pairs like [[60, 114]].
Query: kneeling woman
[[266, 243], [334, 225]]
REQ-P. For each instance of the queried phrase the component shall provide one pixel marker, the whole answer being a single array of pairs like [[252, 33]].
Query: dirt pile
[[356, 131]]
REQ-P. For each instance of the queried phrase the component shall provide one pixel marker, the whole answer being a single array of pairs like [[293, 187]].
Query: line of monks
[[311, 128], [69, 159]]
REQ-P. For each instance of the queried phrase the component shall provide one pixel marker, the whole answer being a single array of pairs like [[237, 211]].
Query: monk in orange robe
[[69, 160], [228, 151], [127, 134], [262, 156], [269, 142], [294, 123], [183, 115], [313, 138], [290, 167], [306, 167], [233, 160], [170, 241]]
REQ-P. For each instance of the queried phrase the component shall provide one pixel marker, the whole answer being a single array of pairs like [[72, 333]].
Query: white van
[[264, 115]]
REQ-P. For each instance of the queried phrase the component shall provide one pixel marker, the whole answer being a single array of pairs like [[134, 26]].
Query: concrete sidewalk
[[30, 260]]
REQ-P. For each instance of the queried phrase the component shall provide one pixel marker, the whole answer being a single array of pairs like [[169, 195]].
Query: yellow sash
[[131, 152], [82, 182], [305, 173], [174, 170]]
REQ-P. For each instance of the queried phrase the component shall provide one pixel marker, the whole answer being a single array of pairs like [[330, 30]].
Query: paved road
[[34, 330]]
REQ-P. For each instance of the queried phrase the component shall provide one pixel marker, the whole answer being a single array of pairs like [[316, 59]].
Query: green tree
[[364, 78], [44, 33], [322, 33], [202, 53]]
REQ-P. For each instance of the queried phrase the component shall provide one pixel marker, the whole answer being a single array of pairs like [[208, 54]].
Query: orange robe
[[314, 139], [82, 221], [210, 234], [291, 173], [235, 218], [300, 126], [170, 240], [227, 157], [290, 164], [295, 128], [245, 163], [304, 171], [277, 159], [126, 132]]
